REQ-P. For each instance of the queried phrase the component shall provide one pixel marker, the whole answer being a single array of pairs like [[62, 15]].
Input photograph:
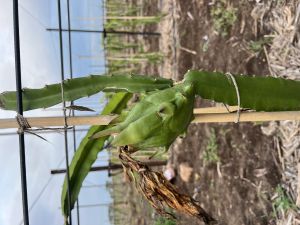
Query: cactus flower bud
[[156, 120]]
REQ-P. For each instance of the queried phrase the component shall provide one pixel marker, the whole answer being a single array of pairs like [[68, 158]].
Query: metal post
[[105, 32], [64, 111], [114, 166], [71, 76], [106, 68], [20, 110]]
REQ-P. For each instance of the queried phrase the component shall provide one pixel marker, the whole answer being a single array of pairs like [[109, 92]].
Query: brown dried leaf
[[160, 192]]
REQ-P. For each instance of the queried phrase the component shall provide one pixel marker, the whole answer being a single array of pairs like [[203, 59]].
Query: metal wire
[[44, 130], [113, 166], [71, 76], [64, 110], [104, 32], [104, 41], [20, 110]]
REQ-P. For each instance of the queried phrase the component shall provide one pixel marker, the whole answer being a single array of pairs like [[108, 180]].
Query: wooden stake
[[203, 115], [246, 117], [215, 109], [58, 121]]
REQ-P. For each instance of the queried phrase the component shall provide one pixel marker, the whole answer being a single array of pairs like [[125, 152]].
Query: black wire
[[20, 110], [71, 76], [104, 40], [64, 111], [108, 32], [43, 131]]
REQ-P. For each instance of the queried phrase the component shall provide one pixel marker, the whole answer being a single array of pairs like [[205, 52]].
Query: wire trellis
[[66, 127]]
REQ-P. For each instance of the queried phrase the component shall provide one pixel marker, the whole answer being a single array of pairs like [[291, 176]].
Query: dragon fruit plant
[[160, 116]]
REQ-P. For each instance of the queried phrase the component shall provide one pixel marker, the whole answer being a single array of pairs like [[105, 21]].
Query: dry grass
[[284, 55], [284, 61]]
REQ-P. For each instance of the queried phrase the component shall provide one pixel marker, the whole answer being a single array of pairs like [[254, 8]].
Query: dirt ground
[[238, 190], [227, 54]]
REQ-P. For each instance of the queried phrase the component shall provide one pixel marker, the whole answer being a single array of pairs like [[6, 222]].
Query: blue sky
[[40, 65]]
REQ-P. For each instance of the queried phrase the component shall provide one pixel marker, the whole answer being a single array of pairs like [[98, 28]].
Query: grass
[[224, 17], [282, 203], [164, 221], [211, 151], [257, 46], [205, 46]]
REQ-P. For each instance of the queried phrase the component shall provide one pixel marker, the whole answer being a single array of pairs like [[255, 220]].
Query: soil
[[237, 189], [225, 54], [240, 192]]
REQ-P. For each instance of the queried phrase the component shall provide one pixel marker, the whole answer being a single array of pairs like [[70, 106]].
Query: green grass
[[224, 16], [164, 221], [257, 46], [205, 46], [211, 151], [282, 203]]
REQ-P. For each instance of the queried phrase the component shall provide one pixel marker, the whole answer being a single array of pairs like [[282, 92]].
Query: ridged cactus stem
[[82, 87], [87, 152], [258, 93]]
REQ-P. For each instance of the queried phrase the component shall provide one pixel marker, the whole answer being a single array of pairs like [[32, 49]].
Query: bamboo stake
[[215, 109], [246, 117], [204, 115], [58, 121]]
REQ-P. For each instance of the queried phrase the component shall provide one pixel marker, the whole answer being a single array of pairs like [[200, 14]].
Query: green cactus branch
[[258, 93], [81, 87], [163, 114], [87, 152]]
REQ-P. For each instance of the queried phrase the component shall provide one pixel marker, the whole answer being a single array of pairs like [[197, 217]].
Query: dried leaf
[[160, 192]]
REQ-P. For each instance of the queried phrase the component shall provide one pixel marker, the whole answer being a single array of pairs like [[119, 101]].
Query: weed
[[282, 202], [211, 151], [257, 46], [224, 16], [164, 221], [205, 46]]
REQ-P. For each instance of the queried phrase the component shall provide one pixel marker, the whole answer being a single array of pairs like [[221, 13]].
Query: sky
[[40, 66]]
